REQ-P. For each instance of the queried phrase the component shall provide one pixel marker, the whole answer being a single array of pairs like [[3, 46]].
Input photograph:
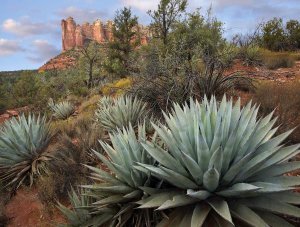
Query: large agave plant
[[62, 110], [120, 112], [118, 188], [22, 143], [224, 167]]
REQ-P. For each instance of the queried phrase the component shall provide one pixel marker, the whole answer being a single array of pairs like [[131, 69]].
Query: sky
[[30, 32]]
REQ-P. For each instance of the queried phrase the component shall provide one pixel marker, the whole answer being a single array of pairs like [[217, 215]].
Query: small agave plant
[[223, 167], [22, 143], [119, 188], [80, 215], [120, 112], [62, 110]]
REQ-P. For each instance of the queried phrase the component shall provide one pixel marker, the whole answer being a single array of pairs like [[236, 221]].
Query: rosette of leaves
[[119, 185], [224, 167], [22, 149], [62, 110], [80, 214], [120, 112]]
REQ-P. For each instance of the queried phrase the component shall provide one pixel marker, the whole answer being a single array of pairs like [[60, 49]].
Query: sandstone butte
[[74, 36]]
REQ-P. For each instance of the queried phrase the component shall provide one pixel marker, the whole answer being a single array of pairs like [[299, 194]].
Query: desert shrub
[[120, 112], [213, 81], [71, 150], [285, 99], [117, 88], [275, 60], [250, 55], [22, 149], [223, 166], [61, 110]]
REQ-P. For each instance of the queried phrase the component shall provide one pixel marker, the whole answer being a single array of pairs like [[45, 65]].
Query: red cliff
[[74, 36]]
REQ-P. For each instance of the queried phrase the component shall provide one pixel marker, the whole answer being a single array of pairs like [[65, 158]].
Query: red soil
[[26, 210]]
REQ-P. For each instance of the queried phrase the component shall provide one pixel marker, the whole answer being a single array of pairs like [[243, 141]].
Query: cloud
[[142, 5], [42, 51], [9, 47], [82, 15], [25, 27]]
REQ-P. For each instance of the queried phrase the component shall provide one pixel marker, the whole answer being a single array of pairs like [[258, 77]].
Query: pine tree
[[125, 40]]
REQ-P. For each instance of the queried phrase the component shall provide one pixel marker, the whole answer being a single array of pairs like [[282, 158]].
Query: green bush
[[250, 55]]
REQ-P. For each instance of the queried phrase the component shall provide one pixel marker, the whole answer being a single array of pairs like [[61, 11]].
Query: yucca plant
[[22, 143], [120, 112], [224, 167], [62, 110], [214, 81], [119, 188], [80, 214]]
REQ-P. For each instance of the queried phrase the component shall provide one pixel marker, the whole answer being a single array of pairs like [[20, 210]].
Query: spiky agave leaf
[[120, 187], [61, 110], [226, 163], [22, 143], [120, 112]]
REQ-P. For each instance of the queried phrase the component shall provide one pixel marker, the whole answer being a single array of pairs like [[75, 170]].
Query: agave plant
[[120, 112], [22, 143], [62, 110], [80, 214], [224, 167], [118, 188]]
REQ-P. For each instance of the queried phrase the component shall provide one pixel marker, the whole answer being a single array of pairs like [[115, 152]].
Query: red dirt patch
[[26, 210]]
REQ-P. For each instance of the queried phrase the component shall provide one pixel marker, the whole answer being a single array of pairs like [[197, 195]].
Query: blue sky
[[30, 29]]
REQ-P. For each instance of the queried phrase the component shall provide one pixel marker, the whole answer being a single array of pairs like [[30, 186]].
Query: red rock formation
[[68, 33], [74, 36]]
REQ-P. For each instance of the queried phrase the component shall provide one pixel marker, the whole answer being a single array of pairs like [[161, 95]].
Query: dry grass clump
[[71, 150], [275, 60], [285, 98]]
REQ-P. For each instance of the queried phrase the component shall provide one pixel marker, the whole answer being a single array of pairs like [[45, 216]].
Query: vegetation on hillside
[[156, 135]]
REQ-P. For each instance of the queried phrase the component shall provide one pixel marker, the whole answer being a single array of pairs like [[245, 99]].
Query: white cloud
[[9, 47], [82, 15], [25, 27], [42, 51], [142, 5]]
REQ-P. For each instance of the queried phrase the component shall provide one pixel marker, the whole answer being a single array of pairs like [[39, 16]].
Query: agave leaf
[[287, 197], [273, 220], [276, 170], [156, 200], [222, 209], [247, 215], [201, 195], [285, 181], [216, 160], [275, 206], [211, 179], [177, 201], [164, 158], [199, 214], [239, 189]]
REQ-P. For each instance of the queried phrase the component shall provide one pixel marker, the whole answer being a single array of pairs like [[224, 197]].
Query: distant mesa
[[74, 36]]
